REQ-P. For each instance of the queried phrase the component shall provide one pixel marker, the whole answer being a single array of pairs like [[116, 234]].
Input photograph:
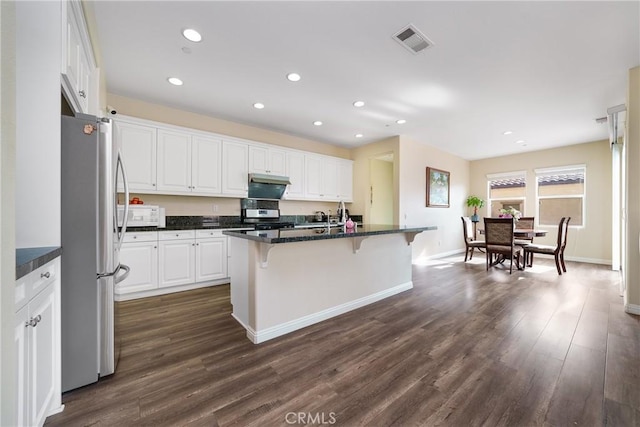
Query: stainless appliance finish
[[91, 240], [263, 186], [262, 214]]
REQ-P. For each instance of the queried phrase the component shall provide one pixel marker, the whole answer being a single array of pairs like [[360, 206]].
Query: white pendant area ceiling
[[542, 70]]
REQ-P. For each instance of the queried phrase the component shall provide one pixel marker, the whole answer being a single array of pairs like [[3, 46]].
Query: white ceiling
[[545, 70]]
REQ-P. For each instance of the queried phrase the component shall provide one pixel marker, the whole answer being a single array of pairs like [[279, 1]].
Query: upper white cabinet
[[328, 178], [345, 180], [296, 173], [267, 160], [206, 165], [174, 161], [138, 146], [78, 64], [235, 168]]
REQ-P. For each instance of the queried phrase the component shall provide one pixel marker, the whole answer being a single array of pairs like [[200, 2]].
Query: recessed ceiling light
[[358, 104], [317, 123], [258, 105], [401, 121], [192, 35], [507, 132], [359, 135], [175, 81], [520, 141], [293, 77]]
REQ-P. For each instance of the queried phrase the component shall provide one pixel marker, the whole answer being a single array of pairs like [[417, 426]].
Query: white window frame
[[502, 175], [556, 170]]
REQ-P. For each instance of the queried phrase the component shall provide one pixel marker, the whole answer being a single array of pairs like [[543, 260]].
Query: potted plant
[[475, 202]]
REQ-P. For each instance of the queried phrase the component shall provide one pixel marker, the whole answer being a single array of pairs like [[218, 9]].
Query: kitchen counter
[[315, 232], [285, 280], [30, 259]]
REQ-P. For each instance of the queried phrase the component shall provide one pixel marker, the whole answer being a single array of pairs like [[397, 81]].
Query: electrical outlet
[[215, 208]]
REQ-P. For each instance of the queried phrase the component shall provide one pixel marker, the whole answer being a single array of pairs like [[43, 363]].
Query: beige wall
[[414, 159], [631, 265], [362, 175], [160, 113], [589, 243]]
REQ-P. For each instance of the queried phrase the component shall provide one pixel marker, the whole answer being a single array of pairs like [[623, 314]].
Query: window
[[506, 190], [561, 193]]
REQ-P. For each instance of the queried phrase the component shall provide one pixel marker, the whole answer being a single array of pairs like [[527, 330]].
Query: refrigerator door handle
[[125, 218], [120, 278]]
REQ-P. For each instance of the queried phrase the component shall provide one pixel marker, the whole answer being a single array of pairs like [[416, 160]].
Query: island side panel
[[239, 273], [304, 280]]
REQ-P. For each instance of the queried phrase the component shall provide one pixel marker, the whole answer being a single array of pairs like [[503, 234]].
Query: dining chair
[[470, 244], [498, 237], [557, 251], [525, 223]]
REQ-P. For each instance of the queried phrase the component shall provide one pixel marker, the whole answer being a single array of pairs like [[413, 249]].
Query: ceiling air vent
[[412, 39]]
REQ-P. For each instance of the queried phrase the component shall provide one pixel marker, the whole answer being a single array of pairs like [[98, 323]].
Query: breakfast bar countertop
[[288, 235], [30, 259]]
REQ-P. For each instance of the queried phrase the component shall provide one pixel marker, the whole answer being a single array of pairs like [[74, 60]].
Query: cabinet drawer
[[140, 236], [177, 235], [204, 234], [30, 285]]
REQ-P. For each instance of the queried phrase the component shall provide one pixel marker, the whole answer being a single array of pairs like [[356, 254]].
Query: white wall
[[38, 56], [7, 213]]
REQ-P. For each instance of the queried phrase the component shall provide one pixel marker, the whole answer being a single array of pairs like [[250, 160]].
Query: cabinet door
[[295, 172], [211, 259], [174, 161], [345, 180], [22, 366], [313, 178], [142, 258], [206, 162], [330, 179], [138, 146], [235, 168], [41, 355], [277, 162], [258, 159], [177, 262]]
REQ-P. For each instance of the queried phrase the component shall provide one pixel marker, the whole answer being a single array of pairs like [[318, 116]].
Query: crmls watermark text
[[321, 418]]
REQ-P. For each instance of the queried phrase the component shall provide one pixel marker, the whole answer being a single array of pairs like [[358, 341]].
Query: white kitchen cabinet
[[211, 255], [176, 258], [78, 63], [206, 162], [37, 339], [235, 168], [345, 180], [296, 172], [330, 179], [263, 159], [174, 162], [324, 177], [140, 252], [138, 145], [313, 177]]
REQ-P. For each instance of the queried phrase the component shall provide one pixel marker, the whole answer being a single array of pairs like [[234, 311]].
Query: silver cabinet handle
[[33, 321], [154, 184], [82, 94], [177, 235], [45, 275]]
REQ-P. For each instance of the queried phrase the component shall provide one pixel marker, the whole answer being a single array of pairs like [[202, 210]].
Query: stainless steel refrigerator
[[92, 172]]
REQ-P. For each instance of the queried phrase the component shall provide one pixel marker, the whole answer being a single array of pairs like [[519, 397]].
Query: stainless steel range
[[262, 214]]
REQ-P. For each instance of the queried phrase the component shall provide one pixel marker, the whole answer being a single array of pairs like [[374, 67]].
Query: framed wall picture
[[437, 188]]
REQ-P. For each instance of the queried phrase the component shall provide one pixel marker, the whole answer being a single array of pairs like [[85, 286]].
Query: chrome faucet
[[329, 219], [342, 211]]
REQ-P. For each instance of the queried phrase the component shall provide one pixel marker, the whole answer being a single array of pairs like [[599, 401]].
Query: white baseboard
[[632, 309], [588, 260], [258, 337], [169, 290], [440, 255], [56, 410]]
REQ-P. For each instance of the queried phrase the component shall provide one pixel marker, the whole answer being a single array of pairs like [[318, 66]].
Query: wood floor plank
[[463, 347]]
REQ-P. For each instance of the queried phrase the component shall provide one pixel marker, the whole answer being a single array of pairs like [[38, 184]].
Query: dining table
[[521, 233]]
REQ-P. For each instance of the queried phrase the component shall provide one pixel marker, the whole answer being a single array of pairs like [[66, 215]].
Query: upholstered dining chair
[[557, 251], [470, 244], [498, 237], [525, 223]]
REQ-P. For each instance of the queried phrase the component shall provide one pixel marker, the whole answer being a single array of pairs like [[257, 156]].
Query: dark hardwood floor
[[464, 347]]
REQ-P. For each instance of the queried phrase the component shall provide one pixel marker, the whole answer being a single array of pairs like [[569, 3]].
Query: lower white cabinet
[[37, 339], [171, 261], [140, 252], [177, 258]]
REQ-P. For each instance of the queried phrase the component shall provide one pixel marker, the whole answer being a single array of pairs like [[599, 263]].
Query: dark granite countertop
[[30, 259], [308, 234]]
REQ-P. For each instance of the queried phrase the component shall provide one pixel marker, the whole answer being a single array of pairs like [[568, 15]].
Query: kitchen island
[[284, 280]]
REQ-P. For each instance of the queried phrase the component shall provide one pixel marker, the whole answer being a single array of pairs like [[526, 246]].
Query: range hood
[[263, 186]]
